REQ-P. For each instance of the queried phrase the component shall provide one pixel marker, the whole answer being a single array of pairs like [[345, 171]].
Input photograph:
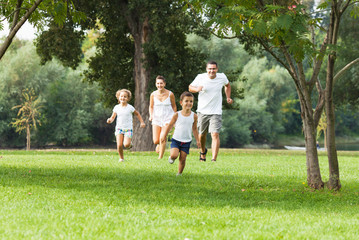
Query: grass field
[[246, 194]]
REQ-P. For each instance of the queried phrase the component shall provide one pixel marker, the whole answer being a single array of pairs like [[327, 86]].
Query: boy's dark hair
[[186, 94], [212, 62]]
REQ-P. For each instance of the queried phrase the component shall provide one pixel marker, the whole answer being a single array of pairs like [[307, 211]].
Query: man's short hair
[[212, 62]]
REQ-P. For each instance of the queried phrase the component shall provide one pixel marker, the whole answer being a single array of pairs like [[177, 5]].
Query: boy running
[[186, 123]]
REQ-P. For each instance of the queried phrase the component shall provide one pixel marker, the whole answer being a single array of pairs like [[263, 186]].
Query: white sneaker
[[179, 175], [170, 160], [121, 160]]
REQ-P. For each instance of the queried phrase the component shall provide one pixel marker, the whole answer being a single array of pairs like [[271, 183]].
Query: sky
[[26, 32]]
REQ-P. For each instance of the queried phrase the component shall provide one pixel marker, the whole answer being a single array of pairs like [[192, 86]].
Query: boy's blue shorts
[[182, 146]]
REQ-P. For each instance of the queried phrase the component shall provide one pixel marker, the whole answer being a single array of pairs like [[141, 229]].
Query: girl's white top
[[183, 129], [124, 116], [210, 98], [162, 111]]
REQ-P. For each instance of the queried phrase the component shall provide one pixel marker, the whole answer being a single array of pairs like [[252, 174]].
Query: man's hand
[[229, 100]]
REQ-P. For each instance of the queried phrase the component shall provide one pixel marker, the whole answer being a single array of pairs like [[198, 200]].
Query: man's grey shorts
[[209, 123]]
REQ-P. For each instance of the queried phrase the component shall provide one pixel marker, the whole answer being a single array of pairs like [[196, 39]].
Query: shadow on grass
[[121, 186]]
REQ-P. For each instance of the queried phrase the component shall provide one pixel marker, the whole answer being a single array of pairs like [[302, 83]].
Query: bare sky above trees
[[26, 32]]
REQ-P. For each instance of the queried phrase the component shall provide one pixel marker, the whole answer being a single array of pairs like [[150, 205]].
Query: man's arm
[[227, 91], [194, 89]]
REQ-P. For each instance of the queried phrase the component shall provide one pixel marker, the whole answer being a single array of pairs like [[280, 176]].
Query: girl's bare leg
[[127, 142], [119, 141]]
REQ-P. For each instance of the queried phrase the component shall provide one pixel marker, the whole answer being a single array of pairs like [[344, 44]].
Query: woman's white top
[[162, 111], [183, 129], [124, 116]]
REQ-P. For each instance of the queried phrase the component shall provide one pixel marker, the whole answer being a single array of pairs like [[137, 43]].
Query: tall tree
[[141, 39], [285, 29]]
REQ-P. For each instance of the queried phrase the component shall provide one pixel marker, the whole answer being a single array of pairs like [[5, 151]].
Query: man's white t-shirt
[[210, 98], [124, 116]]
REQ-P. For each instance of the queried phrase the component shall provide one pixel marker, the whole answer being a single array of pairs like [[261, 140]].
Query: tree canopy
[[139, 40], [286, 30], [37, 13]]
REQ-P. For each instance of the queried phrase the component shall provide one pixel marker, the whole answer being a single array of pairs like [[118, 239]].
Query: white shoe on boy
[[170, 160]]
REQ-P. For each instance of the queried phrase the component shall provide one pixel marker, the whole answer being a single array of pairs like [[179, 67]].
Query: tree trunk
[[310, 118], [314, 178], [334, 181], [28, 138], [325, 138], [142, 136], [140, 31]]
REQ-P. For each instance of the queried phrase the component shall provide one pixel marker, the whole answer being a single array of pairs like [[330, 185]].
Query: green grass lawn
[[246, 194]]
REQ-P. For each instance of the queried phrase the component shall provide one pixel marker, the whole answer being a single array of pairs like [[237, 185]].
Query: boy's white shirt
[[183, 129], [124, 116], [210, 98]]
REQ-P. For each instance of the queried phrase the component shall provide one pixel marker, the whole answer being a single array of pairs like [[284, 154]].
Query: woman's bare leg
[[162, 146], [156, 132]]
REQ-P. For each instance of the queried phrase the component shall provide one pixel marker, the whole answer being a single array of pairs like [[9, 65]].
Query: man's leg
[[215, 126], [203, 122], [203, 139], [215, 145]]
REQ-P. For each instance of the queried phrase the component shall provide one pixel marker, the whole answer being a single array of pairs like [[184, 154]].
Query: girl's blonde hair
[[129, 94]]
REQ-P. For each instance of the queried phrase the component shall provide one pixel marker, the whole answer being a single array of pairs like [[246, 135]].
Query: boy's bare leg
[[174, 153], [182, 162]]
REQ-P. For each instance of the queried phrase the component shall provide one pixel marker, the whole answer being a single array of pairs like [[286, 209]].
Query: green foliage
[[112, 65], [167, 52], [62, 42], [38, 13], [71, 113], [347, 121], [234, 133], [276, 24], [265, 90], [60, 10], [19, 70], [347, 86], [228, 53]]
